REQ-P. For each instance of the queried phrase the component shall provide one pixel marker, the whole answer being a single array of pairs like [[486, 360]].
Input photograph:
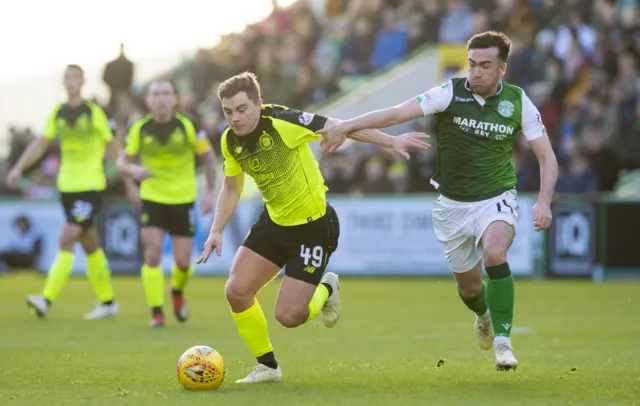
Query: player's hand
[[541, 216], [133, 196], [13, 177], [333, 137], [213, 242], [206, 203], [139, 172], [404, 143]]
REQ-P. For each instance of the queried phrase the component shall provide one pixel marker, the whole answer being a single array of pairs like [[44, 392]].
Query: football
[[201, 368]]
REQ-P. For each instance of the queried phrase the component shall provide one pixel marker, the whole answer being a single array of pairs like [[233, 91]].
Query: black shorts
[[82, 208], [176, 219], [302, 250]]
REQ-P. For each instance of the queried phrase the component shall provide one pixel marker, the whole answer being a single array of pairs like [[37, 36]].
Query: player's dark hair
[[77, 67], [245, 82], [491, 39]]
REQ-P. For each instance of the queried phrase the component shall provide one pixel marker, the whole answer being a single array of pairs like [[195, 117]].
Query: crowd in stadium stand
[[578, 60]]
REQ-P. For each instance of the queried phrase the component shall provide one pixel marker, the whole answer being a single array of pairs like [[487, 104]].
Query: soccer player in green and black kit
[[477, 119], [166, 144], [84, 132], [298, 229]]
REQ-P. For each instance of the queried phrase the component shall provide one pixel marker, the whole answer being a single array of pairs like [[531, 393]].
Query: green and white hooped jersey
[[475, 137]]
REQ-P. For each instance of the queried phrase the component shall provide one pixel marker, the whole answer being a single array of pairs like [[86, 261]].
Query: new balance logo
[[506, 326], [464, 99], [309, 269]]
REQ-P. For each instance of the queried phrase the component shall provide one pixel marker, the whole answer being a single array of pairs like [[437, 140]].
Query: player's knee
[[152, 256], [183, 264], [470, 291], [67, 240], [494, 255], [238, 297], [89, 245], [291, 317]]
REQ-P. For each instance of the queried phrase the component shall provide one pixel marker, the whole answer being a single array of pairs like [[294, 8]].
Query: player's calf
[[471, 290]]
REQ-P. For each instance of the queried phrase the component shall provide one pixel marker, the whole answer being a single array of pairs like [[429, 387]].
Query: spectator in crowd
[[118, 76], [390, 44], [24, 248], [457, 23]]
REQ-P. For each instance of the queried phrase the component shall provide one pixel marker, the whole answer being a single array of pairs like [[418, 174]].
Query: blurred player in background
[[475, 216], [85, 135], [298, 229], [166, 143]]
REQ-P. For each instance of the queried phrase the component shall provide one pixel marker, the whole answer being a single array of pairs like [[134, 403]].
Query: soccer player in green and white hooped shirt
[[477, 119]]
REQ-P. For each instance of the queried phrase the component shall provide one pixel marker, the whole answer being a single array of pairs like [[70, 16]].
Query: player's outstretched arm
[[335, 135], [543, 151], [34, 151], [400, 145], [227, 203]]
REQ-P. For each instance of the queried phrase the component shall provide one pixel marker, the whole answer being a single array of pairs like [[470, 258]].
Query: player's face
[[161, 99], [242, 113], [485, 70], [73, 81]]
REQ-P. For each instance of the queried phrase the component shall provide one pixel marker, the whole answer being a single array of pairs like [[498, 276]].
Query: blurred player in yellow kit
[[166, 143], [85, 134]]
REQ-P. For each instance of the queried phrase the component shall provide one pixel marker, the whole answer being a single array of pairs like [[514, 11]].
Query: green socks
[[500, 298]]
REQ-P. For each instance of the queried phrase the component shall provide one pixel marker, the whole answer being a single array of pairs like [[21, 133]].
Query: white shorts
[[460, 226]]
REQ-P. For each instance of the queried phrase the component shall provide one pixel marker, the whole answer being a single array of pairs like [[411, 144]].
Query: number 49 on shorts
[[312, 256]]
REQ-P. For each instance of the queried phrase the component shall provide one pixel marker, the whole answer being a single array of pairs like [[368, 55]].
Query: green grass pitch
[[577, 343]]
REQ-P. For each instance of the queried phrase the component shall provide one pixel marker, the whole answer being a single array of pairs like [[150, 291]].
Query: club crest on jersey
[[266, 142], [306, 118], [506, 108]]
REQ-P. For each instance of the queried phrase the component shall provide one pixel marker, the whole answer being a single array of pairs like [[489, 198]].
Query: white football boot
[[102, 311], [38, 306], [505, 361], [484, 331], [332, 308], [262, 373]]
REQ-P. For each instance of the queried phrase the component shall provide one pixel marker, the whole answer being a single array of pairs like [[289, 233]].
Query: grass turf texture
[[577, 343]]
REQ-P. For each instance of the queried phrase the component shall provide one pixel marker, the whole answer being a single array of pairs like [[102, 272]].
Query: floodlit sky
[[39, 37]]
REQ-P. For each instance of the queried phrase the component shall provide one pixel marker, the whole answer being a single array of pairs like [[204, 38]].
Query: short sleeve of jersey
[[201, 144], [51, 128], [532, 126], [436, 100], [307, 123], [101, 123], [197, 138], [231, 166], [132, 140]]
